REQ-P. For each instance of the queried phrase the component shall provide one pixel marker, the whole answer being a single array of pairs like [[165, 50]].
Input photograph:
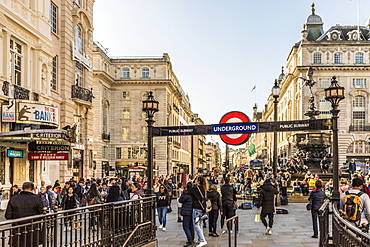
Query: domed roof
[[314, 19]]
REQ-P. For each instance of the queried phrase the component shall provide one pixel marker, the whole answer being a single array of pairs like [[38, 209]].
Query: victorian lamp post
[[275, 93], [150, 106], [335, 93]]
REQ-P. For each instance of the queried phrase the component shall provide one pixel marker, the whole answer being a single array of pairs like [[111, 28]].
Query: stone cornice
[[336, 67]]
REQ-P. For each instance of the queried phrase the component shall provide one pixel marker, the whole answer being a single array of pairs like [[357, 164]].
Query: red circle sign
[[234, 117]]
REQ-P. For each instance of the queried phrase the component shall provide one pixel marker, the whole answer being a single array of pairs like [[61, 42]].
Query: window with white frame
[[143, 114], [105, 152], [144, 95], [359, 147], [105, 119], [126, 95], [324, 82], [79, 74], [145, 72], [16, 62], [125, 133], [359, 83], [358, 113], [125, 112], [337, 57], [54, 73], [317, 57], [144, 133], [126, 73], [359, 57], [118, 153], [53, 18], [79, 39], [324, 107]]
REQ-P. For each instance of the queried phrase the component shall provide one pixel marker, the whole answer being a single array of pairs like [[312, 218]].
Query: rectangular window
[[127, 153], [53, 18], [118, 153], [125, 95], [143, 114], [125, 133], [359, 58], [105, 152], [15, 63], [359, 83], [338, 58], [125, 112], [324, 108], [54, 73], [145, 133], [144, 95], [79, 74], [126, 73], [358, 118], [324, 83], [317, 58], [135, 153], [143, 152], [145, 73]]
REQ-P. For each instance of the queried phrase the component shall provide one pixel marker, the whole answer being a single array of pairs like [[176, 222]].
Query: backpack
[[351, 206], [206, 203]]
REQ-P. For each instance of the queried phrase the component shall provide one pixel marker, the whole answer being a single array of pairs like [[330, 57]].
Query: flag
[[253, 88]]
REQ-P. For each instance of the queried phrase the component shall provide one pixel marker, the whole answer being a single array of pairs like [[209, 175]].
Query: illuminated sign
[[15, 153], [48, 156]]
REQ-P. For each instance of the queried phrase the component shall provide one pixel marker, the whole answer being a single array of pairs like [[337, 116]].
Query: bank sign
[[29, 112]]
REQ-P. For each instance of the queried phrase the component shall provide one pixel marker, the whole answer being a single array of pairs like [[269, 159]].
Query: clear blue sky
[[219, 49]]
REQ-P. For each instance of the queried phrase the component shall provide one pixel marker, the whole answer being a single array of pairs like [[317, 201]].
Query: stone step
[[297, 199]]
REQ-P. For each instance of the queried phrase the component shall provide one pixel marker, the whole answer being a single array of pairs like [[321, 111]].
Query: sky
[[219, 49]]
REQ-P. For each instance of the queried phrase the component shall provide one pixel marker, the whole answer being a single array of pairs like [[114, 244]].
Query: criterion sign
[[235, 122]]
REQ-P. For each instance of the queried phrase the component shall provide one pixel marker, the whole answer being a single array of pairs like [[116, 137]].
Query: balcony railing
[[125, 223], [82, 93], [105, 136], [21, 93], [359, 128]]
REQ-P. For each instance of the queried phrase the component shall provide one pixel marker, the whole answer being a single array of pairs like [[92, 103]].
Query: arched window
[[337, 57], [359, 57], [79, 39], [358, 112], [317, 57], [126, 73]]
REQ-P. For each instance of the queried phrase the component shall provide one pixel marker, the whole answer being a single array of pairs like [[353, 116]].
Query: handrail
[[236, 230], [132, 233]]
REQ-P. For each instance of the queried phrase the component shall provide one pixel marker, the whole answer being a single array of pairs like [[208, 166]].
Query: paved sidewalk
[[293, 229]]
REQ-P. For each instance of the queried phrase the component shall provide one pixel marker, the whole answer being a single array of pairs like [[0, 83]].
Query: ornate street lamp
[[275, 93], [335, 93], [150, 106]]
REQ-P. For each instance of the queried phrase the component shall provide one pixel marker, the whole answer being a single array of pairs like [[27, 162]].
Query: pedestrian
[[352, 167], [69, 201], [317, 198], [46, 199], [163, 204], [180, 190], [324, 165], [93, 196], [199, 211], [136, 191], [229, 202], [22, 205], [14, 190], [266, 200], [216, 201], [186, 212], [114, 194]]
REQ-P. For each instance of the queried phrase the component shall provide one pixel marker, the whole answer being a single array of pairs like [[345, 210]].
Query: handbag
[[207, 202], [169, 210], [309, 205], [257, 218]]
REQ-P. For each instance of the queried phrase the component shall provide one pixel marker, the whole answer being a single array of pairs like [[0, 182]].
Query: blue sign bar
[[235, 128], [15, 153]]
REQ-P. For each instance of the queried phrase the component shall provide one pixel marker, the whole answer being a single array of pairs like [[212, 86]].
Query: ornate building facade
[[46, 97], [122, 84], [341, 51]]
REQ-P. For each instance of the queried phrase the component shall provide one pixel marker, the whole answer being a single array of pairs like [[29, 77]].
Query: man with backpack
[[354, 204]]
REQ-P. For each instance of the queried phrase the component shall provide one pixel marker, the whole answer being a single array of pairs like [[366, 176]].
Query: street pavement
[[293, 229]]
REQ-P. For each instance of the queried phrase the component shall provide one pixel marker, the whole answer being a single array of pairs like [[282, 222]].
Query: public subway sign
[[35, 113], [47, 156], [237, 133], [234, 128]]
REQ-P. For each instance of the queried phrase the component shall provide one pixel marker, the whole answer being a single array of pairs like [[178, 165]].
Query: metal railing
[[112, 224], [229, 223], [82, 93], [324, 223]]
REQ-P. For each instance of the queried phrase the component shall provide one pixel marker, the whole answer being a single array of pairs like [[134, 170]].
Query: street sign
[[242, 136]]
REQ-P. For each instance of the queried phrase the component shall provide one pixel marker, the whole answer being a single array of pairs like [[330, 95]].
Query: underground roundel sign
[[234, 117]]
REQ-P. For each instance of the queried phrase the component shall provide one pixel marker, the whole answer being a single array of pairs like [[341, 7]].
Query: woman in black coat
[[266, 200], [215, 199], [187, 214]]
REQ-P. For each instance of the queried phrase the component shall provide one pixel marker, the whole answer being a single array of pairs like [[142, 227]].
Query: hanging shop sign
[[47, 156], [8, 112], [36, 113], [15, 153], [45, 146]]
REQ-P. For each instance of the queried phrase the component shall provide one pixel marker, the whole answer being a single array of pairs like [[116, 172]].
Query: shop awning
[[26, 136]]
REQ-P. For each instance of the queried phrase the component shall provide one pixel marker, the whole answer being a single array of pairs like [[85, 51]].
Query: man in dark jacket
[[23, 205], [317, 197], [229, 201], [266, 200], [187, 214]]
